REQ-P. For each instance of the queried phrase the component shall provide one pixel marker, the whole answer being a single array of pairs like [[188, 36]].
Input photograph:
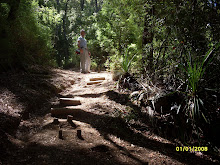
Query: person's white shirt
[[82, 43]]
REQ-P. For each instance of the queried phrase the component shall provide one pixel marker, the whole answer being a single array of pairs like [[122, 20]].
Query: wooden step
[[97, 78], [64, 111], [94, 82], [69, 101]]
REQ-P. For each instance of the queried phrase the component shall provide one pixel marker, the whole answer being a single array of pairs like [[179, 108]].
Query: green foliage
[[65, 19], [194, 73], [94, 65], [112, 26], [164, 32], [126, 62], [27, 40]]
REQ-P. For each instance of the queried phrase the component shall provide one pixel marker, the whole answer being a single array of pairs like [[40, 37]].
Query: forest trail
[[104, 139]]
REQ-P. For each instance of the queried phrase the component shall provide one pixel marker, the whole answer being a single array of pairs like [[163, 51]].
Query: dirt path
[[106, 138]]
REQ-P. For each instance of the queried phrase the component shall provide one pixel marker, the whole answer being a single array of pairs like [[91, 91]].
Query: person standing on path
[[85, 60]]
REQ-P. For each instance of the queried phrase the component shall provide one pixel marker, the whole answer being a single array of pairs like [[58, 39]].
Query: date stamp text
[[193, 149]]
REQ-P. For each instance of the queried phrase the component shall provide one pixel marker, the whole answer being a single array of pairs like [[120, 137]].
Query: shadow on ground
[[35, 153], [115, 126], [51, 155], [107, 125]]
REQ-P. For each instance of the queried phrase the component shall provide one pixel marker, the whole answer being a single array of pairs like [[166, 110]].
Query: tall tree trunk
[[57, 38], [66, 44], [82, 2], [194, 24], [151, 55], [119, 41], [148, 38], [58, 6], [144, 43], [96, 6]]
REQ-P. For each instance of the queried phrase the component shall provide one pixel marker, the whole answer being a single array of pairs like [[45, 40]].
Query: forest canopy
[[157, 32]]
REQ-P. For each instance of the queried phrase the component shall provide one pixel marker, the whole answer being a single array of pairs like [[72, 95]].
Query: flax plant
[[126, 62], [194, 73]]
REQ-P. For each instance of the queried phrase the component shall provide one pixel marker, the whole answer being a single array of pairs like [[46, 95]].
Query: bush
[[27, 40]]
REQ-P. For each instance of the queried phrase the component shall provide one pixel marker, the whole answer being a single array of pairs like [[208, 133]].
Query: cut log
[[63, 111], [97, 78], [56, 121], [69, 101], [79, 134], [94, 82], [60, 135], [69, 120]]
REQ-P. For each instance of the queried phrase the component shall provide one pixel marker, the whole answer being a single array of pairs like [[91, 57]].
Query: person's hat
[[82, 31]]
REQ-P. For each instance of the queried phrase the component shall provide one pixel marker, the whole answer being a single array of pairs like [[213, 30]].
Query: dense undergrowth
[[24, 41], [184, 107]]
